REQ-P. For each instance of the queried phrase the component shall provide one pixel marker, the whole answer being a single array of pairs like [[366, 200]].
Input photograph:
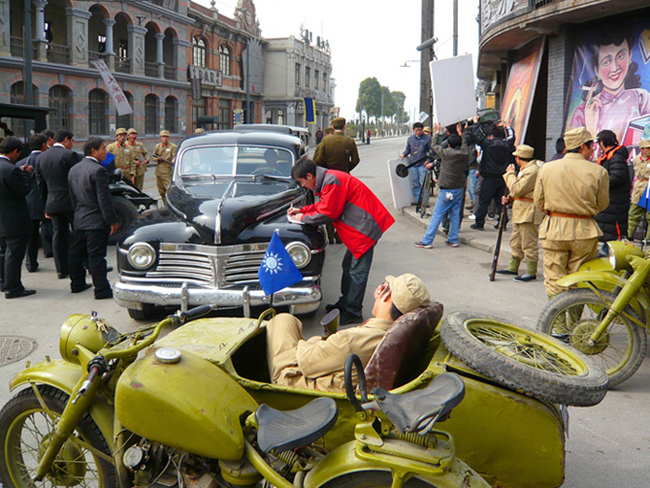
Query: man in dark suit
[[14, 186], [37, 144], [94, 219], [52, 177]]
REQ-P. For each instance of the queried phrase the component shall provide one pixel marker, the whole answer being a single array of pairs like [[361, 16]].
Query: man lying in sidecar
[[318, 363]]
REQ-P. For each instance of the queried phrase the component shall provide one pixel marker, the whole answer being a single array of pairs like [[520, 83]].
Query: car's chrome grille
[[242, 266]]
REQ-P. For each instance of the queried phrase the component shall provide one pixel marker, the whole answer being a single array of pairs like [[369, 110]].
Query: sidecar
[[512, 440]]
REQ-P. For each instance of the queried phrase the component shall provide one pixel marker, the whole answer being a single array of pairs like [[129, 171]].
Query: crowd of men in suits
[[64, 198]]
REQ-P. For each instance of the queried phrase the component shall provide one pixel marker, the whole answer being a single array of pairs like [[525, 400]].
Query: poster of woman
[[611, 77]]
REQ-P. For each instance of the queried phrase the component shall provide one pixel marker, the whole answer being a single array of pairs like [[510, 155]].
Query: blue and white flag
[[644, 201], [278, 269]]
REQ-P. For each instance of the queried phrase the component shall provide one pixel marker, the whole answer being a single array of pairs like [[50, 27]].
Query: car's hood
[[221, 209]]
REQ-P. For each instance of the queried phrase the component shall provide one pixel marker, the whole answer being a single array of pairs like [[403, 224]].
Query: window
[[125, 121], [224, 59], [199, 51], [224, 114], [316, 75], [170, 115], [151, 114], [297, 74], [307, 75], [198, 110], [324, 81], [60, 100], [18, 96], [98, 112]]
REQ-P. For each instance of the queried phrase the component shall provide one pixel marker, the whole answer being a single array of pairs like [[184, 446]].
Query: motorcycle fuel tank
[[178, 399]]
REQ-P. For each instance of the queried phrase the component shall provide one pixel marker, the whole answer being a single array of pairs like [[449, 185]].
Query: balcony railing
[[170, 73], [122, 65], [151, 69], [17, 47], [58, 54], [94, 55]]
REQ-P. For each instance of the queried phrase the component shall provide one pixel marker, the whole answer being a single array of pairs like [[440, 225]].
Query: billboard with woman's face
[[611, 79]]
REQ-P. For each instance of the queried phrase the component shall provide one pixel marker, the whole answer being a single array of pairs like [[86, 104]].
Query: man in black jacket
[[14, 214], [52, 178], [94, 219], [497, 143], [613, 220]]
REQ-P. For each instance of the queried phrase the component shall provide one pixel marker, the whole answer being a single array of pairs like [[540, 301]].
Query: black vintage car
[[229, 192]]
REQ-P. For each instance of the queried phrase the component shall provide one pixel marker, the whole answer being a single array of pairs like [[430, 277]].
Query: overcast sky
[[367, 39]]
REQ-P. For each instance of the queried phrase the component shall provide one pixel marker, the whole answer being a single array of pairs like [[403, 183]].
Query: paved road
[[609, 444]]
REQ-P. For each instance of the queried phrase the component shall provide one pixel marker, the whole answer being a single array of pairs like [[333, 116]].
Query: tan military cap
[[164, 133], [644, 143], [408, 292], [427, 128], [119, 131], [575, 137], [199, 131], [338, 123], [329, 130], [131, 131], [524, 151]]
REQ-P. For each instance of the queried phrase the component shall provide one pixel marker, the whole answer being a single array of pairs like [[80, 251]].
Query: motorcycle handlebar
[[196, 312]]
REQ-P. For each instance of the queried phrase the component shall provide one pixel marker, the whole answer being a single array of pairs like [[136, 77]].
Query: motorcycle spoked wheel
[[524, 360], [25, 428], [372, 479], [619, 351]]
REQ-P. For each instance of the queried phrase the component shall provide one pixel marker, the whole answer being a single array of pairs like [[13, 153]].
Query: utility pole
[[382, 114], [455, 48], [425, 56]]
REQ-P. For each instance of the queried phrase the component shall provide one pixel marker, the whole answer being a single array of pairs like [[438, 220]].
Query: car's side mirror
[[117, 175]]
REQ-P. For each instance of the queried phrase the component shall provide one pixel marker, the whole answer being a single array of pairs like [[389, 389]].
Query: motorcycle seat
[[418, 410], [291, 429]]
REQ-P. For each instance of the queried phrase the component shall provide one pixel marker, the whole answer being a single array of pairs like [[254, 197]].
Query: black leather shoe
[[32, 269], [62, 276], [524, 278], [19, 294], [104, 296], [109, 269], [506, 272], [476, 226], [80, 289], [331, 307], [349, 318], [561, 337]]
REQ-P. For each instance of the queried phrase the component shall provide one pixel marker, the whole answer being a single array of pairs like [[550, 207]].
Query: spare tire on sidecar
[[524, 360]]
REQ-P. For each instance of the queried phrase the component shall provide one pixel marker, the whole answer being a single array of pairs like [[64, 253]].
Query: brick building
[[575, 69]]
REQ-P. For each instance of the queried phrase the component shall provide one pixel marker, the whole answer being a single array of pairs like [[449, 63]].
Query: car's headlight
[[300, 254], [141, 255]]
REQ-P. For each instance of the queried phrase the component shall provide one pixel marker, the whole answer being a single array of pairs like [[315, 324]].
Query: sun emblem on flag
[[272, 263]]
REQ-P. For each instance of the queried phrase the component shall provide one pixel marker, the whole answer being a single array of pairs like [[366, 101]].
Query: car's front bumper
[[302, 298]]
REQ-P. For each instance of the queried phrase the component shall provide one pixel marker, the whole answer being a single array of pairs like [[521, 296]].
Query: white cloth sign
[[452, 81], [399, 187], [115, 92]]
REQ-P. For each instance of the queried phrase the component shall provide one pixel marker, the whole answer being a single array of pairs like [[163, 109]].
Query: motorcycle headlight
[[141, 255], [619, 251], [300, 254]]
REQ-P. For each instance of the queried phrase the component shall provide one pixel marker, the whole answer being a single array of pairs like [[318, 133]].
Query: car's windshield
[[236, 160]]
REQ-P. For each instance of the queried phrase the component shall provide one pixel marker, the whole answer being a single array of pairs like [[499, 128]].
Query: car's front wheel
[[126, 213], [147, 312]]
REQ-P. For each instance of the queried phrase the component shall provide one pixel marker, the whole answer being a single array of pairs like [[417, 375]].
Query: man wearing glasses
[[570, 191], [317, 363]]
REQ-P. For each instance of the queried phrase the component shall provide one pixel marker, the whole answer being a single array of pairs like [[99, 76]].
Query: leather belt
[[570, 216], [524, 199], [642, 179]]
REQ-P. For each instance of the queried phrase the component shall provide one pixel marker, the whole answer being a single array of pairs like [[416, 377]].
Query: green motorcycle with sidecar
[[197, 410]]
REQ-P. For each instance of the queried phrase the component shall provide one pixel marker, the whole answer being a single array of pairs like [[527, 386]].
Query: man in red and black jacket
[[360, 220]]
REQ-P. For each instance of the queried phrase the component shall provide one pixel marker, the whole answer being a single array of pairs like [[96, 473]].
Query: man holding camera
[[497, 143]]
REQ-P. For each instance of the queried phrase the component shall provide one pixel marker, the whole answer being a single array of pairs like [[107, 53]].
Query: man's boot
[[513, 267], [531, 273]]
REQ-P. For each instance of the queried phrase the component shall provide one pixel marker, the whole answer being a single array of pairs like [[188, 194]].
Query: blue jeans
[[448, 201], [354, 281], [471, 185], [417, 176]]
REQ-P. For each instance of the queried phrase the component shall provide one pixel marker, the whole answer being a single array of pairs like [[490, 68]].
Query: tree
[[369, 97]]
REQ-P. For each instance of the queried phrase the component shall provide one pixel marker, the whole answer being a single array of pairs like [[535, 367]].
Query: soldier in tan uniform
[[642, 172], [570, 191], [141, 157], [318, 363], [337, 151], [525, 216], [165, 155], [124, 154]]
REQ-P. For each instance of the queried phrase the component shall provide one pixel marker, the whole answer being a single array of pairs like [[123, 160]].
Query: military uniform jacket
[[337, 151], [124, 157], [168, 152], [522, 189], [572, 186], [642, 172], [141, 154], [322, 361]]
